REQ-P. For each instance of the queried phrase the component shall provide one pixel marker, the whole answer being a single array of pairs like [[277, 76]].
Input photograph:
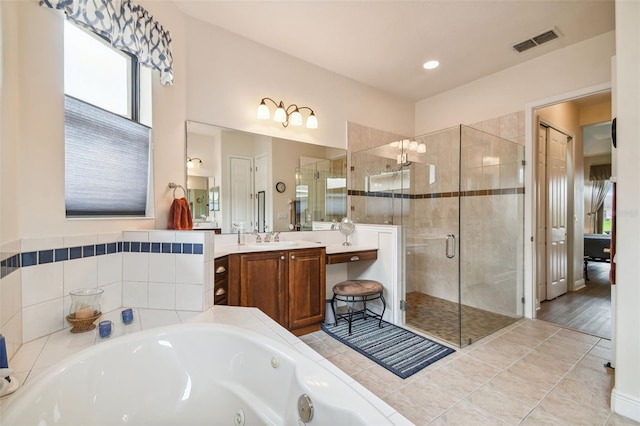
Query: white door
[[241, 192], [557, 144], [541, 214], [263, 184]]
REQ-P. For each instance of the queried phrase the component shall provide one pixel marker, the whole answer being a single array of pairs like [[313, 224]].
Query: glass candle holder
[[85, 303]]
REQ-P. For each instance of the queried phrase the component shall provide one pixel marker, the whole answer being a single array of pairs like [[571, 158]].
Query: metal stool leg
[[384, 306], [333, 309], [353, 300]]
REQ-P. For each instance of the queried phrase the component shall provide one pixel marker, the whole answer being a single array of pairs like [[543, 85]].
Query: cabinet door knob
[[220, 269], [281, 257], [293, 257], [354, 258], [220, 291]]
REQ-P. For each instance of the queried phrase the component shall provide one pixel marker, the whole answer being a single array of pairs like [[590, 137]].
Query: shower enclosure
[[458, 196]]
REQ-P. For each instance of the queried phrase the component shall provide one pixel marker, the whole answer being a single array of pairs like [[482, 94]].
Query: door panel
[[241, 192], [556, 213]]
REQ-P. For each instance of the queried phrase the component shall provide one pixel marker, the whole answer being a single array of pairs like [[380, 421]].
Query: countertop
[[226, 249]]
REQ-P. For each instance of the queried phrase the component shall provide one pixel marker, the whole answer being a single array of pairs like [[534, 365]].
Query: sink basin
[[275, 245]]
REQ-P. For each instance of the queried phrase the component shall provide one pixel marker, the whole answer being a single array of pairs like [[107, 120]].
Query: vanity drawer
[[352, 256], [221, 281]]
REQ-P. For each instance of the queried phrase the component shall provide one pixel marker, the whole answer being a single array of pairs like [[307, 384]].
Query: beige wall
[[575, 67], [203, 89], [626, 393]]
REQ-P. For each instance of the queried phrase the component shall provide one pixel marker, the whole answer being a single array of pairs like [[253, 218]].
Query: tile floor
[[440, 318], [529, 373]]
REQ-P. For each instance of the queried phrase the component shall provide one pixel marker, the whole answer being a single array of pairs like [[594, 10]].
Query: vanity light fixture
[[286, 115], [193, 163]]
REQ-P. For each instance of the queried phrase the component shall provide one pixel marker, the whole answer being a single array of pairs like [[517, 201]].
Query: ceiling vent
[[536, 41]]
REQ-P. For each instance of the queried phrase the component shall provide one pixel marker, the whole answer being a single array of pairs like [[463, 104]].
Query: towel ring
[[174, 186]]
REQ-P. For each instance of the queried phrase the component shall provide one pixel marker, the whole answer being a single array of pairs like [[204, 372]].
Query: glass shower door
[[432, 234]]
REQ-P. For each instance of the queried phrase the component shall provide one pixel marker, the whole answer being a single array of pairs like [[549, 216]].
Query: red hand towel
[[180, 215]]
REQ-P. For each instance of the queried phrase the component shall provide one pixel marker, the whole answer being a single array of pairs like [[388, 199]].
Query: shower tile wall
[[429, 271], [492, 223], [374, 210]]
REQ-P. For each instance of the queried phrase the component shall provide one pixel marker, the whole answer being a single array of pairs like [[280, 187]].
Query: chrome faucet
[[276, 237], [258, 238], [267, 237]]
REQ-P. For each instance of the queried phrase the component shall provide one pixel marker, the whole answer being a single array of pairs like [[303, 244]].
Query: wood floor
[[587, 310]]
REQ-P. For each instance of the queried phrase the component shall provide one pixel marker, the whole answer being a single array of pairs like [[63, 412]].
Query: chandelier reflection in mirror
[[286, 115], [405, 146]]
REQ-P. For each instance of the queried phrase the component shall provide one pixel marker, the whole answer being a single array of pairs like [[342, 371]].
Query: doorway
[[585, 304]]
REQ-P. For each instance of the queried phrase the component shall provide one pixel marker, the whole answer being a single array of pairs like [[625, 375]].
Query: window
[[107, 129]]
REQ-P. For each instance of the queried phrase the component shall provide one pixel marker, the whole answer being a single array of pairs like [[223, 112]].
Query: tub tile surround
[[140, 269], [38, 356]]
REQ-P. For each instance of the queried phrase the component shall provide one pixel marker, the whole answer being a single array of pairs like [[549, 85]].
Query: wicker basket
[[80, 325]]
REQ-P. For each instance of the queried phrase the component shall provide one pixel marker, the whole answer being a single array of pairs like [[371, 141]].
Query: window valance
[[128, 27], [600, 172]]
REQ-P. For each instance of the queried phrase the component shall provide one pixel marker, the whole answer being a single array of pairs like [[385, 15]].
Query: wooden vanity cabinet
[[287, 285]]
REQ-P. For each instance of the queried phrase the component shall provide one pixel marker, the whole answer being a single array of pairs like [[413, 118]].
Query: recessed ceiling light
[[429, 65]]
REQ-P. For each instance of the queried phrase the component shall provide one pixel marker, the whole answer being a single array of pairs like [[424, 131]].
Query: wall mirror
[[232, 178]]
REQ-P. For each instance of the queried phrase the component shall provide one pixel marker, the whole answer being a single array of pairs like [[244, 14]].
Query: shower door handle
[[450, 253]]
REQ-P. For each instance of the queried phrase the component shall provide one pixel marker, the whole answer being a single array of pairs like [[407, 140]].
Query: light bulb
[[413, 146], [280, 115], [263, 111], [422, 148], [405, 144], [312, 121], [295, 119], [190, 164]]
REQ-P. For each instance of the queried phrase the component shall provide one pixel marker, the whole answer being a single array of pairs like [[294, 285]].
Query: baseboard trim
[[577, 285], [625, 405]]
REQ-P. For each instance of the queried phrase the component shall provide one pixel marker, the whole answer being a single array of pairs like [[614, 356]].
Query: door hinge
[[403, 305], [522, 300], [353, 168], [524, 163]]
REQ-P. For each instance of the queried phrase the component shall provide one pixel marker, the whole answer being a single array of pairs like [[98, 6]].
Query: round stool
[[352, 291]]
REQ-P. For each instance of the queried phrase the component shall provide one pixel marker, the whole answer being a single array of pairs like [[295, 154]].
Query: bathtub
[[204, 374]]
